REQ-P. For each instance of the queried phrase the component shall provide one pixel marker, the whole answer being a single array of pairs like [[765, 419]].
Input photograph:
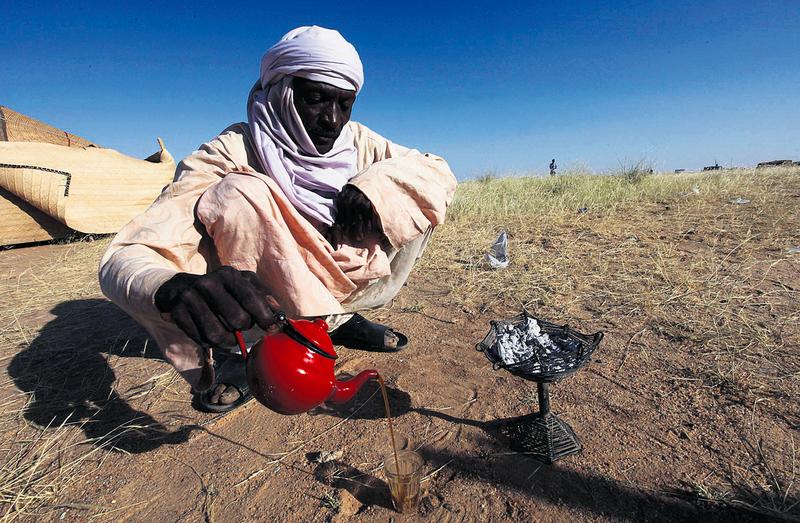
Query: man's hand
[[210, 307], [355, 217]]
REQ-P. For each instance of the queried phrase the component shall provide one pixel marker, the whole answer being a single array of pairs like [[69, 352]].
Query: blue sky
[[491, 86]]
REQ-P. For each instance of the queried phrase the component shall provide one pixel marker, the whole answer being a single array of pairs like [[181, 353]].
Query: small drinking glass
[[405, 482]]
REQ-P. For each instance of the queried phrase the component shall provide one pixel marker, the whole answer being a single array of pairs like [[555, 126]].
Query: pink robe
[[221, 210]]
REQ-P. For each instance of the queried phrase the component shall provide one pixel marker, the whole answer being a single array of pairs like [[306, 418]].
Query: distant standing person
[[553, 167]]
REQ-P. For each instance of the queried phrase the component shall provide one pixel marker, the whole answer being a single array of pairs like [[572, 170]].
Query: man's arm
[[155, 268], [165, 239], [409, 191]]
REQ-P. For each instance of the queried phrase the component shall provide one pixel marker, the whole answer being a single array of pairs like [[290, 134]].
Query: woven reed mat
[[16, 127]]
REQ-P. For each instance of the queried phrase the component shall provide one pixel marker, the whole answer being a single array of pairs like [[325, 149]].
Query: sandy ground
[[657, 438]]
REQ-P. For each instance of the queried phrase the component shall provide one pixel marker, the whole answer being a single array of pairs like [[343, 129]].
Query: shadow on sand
[[368, 403], [366, 488], [556, 485], [551, 484], [66, 372]]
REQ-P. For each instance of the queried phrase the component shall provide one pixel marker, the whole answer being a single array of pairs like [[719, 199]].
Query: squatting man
[[299, 210]]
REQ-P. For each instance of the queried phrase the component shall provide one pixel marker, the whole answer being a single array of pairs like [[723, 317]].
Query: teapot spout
[[344, 390]]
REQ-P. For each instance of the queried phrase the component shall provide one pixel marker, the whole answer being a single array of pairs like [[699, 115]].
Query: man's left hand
[[355, 217]]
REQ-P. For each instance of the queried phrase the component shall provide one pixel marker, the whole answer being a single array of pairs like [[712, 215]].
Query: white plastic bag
[[497, 256]]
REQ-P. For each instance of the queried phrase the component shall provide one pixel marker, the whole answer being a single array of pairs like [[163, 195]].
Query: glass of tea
[[403, 471]]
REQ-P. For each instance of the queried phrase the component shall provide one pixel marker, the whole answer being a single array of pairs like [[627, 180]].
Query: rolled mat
[[53, 183], [16, 127]]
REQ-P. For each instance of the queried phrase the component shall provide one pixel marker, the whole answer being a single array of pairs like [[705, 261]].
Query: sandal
[[232, 373], [360, 333]]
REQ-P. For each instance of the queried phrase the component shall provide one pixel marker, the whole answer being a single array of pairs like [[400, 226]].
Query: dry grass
[[38, 464], [54, 424], [671, 262], [71, 275], [666, 259], [692, 284], [501, 199]]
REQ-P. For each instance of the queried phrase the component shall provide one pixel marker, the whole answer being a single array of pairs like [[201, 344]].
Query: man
[[298, 210], [553, 167]]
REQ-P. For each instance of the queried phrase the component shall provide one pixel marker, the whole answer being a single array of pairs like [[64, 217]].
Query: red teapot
[[291, 370]]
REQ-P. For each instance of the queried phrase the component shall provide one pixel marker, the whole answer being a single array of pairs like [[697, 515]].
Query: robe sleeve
[[410, 191], [164, 240]]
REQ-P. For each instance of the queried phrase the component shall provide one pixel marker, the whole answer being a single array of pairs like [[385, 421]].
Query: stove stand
[[542, 435]]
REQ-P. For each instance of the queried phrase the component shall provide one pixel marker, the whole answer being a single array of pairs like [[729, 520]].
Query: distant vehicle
[[777, 163], [679, 171], [715, 167]]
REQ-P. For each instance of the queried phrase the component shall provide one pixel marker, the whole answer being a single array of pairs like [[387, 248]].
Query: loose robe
[[410, 191]]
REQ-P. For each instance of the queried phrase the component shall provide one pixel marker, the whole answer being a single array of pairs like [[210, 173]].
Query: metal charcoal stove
[[542, 434]]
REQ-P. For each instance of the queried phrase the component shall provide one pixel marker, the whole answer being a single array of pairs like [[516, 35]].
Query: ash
[[519, 343]]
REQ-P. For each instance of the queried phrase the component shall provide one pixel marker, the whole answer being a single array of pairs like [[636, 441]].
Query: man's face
[[323, 109]]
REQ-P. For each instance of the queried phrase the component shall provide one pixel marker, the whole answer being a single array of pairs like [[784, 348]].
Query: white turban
[[314, 53], [309, 180]]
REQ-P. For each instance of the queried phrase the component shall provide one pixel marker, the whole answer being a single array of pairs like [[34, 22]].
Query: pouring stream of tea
[[389, 418]]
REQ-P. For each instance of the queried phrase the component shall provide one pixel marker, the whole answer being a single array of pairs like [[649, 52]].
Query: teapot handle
[[280, 317], [240, 341]]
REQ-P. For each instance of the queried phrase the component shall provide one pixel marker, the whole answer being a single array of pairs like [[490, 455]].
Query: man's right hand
[[209, 308], [355, 216]]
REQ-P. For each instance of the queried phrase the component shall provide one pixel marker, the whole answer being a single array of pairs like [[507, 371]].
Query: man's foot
[[230, 389], [390, 339], [360, 333], [224, 395]]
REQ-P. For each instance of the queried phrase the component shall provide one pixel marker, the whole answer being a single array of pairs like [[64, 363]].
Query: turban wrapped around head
[[314, 53], [309, 180]]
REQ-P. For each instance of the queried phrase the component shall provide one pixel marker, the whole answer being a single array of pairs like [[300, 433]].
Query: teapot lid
[[311, 334]]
